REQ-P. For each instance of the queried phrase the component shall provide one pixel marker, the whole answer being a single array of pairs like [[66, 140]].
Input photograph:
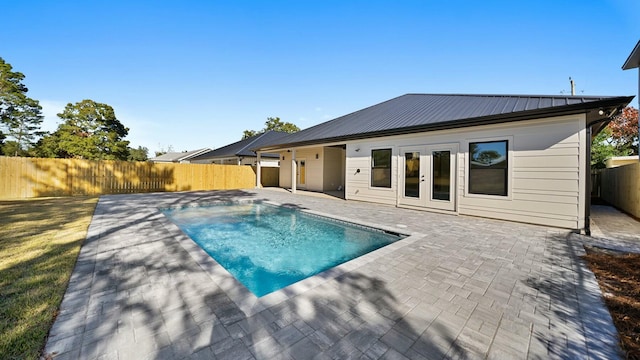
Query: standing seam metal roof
[[420, 111], [244, 147]]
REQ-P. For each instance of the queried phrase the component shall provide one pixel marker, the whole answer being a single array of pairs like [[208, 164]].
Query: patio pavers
[[613, 229], [464, 287]]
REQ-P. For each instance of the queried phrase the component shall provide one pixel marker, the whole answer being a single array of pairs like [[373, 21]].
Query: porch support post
[[293, 171], [258, 171]]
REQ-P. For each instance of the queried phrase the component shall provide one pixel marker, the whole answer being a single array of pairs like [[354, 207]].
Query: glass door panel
[[412, 174], [441, 175], [412, 188], [427, 177], [442, 180]]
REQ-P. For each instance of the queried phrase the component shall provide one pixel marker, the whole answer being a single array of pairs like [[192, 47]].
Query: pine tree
[[20, 116], [90, 131]]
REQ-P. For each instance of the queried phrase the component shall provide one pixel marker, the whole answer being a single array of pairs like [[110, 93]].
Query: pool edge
[[248, 302]]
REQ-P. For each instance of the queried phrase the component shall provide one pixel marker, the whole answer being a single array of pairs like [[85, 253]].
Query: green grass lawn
[[39, 244]]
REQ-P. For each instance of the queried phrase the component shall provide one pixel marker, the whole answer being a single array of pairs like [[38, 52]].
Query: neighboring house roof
[[244, 147], [178, 156], [425, 112]]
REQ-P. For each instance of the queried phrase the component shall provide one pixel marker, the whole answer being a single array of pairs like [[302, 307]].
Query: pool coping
[[248, 302]]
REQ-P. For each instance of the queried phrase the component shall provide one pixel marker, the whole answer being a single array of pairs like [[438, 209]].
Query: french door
[[302, 173], [428, 176]]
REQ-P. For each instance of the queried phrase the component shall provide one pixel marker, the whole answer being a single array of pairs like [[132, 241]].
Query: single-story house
[[241, 153], [513, 157], [178, 157]]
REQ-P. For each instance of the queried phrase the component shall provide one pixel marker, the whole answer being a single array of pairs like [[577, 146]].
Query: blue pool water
[[268, 248]]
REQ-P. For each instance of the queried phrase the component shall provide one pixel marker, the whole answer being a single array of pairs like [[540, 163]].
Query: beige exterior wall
[[358, 170], [285, 170], [333, 168], [314, 172], [546, 164], [265, 162]]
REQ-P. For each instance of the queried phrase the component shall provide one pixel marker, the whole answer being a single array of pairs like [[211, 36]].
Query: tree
[[619, 138], [23, 125], [488, 156], [90, 131], [624, 131], [249, 133], [272, 123], [12, 148], [49, 147], [20, 115], [139, 154], [276, 125], [601, 149]]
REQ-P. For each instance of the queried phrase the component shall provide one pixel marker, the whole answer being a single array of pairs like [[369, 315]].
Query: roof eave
[[633, 61], [456, 124]]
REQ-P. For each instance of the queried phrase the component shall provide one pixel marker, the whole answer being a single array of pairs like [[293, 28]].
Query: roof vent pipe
[[573, 86]]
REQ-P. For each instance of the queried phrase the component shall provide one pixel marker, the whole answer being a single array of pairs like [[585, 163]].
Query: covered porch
[[319, 169]]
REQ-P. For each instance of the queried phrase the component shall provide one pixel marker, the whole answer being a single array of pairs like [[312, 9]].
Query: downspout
[[587, 190]]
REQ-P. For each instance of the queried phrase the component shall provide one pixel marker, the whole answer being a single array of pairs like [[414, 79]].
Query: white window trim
[[465, 144]]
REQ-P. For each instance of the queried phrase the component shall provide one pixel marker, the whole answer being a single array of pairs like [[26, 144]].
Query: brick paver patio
[[461, 287]]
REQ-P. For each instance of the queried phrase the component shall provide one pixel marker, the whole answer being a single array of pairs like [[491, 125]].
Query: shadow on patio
[[136, 293]]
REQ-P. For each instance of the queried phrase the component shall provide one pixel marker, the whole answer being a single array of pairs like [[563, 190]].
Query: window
[[381, 168], [488, 168]]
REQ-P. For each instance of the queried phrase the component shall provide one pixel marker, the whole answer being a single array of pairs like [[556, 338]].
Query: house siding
[[333, 165], [545, 178], [358, 172], [314, 171], [314, 168], [285, 170]]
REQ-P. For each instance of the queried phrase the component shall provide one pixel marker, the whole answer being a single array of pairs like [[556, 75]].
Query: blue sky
[[194, 74]]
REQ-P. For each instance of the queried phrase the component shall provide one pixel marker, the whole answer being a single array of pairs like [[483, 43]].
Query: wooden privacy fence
[[620, 187], [269, 176], [35, 177]]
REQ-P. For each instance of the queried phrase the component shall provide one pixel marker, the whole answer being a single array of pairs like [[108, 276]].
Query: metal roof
[[633, 61], [424, 112], [243, 147], [178, 156]]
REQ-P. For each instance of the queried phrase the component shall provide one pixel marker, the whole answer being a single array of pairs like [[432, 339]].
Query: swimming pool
[[268, 247]]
